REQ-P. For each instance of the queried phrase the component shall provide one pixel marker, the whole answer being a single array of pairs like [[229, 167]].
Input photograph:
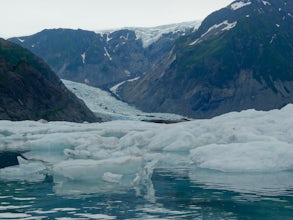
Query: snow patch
[[83, 56], [127, 72], [115, 88], [106, 54], [125, 38], [229, 26], [225, 26], [21, 40], [238, 5], [273, 38], [108, 37], [266, 3]]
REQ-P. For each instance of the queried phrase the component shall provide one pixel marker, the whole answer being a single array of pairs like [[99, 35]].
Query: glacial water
[[179, 194]]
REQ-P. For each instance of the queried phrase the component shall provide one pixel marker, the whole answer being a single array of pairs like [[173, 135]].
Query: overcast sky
[[24, 17]]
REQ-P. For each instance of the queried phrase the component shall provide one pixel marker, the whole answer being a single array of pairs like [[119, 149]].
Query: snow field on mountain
[[149, 35], [237, 5]]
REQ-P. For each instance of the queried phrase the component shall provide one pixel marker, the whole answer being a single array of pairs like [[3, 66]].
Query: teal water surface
[[181, 194]]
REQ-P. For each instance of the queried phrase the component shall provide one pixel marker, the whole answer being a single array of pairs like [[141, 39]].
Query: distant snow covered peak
[[149, 35], [242, 3], [152, 34], [238, 5]]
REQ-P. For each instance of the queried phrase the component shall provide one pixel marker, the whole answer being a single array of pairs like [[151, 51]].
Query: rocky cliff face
[[106, 58], [241, 57], [29, 90]]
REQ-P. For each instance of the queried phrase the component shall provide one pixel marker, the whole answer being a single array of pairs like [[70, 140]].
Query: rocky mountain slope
[[104, 58], [29, 90], [241, 57]]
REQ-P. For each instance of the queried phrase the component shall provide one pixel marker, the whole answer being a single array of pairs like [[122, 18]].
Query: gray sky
[[24, 17]]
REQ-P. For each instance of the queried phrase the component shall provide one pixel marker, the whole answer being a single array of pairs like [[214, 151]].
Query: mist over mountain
[[30, 90]]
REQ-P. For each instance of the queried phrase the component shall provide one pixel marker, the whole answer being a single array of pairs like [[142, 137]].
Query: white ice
[[122, 154], [105, 105], [149, 35], [238, 5]]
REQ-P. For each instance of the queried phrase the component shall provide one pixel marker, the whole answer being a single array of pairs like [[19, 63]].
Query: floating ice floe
[[123, 154]]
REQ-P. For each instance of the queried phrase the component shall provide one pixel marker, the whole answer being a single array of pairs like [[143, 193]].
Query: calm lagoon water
[[181, 194]]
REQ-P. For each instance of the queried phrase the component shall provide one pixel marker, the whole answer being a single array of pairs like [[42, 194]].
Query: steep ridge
[[241, 57], [104, 58], [29, 90]]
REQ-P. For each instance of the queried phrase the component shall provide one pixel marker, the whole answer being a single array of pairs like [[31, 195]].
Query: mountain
[[30, 90], [104, 58], [241, 57]]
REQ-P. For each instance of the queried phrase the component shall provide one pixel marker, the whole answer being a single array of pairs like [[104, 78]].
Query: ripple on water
[[12, 207], [10, 215]]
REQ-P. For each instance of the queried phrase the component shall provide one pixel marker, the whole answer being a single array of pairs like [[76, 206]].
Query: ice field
[[119, 155]]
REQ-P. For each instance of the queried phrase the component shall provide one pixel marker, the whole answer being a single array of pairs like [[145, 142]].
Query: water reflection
[[172, 194], [258, 184]]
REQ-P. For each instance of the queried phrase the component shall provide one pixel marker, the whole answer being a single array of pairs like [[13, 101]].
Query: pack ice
[[123, 154]]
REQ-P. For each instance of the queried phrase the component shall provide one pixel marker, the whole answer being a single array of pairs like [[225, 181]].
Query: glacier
[[122, 154], [108, 107], [150, 35]]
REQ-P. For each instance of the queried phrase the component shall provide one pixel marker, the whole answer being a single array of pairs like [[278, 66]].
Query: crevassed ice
[[102, 102], [122, 154]]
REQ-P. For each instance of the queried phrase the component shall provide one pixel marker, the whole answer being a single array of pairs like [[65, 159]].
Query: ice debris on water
[[122, 154]]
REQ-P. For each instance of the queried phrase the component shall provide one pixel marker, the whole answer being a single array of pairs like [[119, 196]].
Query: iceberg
[[123, 154]]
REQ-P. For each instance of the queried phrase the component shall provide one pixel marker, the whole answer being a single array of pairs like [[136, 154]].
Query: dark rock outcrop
[[29, 90]]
